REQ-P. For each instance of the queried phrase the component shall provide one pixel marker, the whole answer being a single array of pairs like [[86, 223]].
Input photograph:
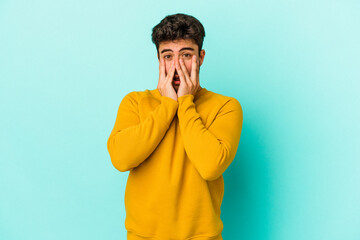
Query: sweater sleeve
[[210, 150], [131, 141]]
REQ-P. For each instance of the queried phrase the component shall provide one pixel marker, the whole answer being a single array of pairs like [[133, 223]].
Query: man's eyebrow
[[185, 48]]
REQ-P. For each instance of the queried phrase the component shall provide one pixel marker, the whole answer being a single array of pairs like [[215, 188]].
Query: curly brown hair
[[178, 26]]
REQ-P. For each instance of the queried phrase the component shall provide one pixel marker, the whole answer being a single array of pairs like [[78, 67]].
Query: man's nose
[[176, 60]]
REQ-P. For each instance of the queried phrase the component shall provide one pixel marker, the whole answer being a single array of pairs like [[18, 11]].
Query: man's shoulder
[[139, 94], [220, 98]]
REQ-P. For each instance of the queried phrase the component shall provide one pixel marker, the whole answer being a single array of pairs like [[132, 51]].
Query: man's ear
[[202, 55]]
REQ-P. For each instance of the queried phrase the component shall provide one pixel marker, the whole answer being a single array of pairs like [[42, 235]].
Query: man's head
[[179, 36]]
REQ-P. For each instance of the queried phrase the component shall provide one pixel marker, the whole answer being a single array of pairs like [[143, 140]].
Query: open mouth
[[176, 79]]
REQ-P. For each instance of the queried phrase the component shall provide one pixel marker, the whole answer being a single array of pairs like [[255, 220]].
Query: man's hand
[[188, 84], [165, 81]]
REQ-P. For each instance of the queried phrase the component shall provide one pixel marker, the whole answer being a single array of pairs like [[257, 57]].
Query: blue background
[[293, 65]]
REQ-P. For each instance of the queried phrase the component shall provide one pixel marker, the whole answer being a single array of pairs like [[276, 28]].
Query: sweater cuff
[[169, 101], [185, 104], [187, 99], [169, 109]]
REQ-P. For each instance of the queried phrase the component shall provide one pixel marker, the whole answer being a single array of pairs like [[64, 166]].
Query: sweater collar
[[196, 95]]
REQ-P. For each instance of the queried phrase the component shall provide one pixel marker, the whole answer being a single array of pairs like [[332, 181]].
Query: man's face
[[172, 51]]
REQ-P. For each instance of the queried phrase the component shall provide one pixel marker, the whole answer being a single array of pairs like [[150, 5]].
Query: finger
[[171, 72], [183, 67], [193, 68], [181, 74], [162, 68]]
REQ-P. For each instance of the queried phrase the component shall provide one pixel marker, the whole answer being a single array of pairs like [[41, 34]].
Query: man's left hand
[[188, 84]]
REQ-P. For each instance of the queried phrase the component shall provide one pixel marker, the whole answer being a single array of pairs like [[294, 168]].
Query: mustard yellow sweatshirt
[[176, 152]]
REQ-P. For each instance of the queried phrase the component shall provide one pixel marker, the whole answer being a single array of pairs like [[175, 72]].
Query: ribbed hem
[[134, 236]]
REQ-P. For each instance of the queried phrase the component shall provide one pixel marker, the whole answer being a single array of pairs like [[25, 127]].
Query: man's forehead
[[177, 44]]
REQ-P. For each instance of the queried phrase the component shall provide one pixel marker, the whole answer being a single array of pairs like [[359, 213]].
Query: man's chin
[[175, 86]]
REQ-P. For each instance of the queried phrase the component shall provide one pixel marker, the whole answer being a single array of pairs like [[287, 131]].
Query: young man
[[176, 140]]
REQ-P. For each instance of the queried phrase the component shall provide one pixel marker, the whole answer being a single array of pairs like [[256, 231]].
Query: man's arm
[[210, 150], [131, 141]]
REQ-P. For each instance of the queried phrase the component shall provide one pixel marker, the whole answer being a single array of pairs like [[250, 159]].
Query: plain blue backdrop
[[293, 65]]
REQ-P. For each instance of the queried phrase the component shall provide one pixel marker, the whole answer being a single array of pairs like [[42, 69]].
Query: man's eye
[[187, 55], [167, 56]]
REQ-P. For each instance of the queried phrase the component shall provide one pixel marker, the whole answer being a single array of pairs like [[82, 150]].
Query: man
[[176, 140]]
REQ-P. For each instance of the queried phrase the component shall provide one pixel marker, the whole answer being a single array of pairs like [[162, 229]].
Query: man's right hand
[[165, 86]]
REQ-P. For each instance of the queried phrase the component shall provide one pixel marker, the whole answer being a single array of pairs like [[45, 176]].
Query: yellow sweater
[[176, 152]]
